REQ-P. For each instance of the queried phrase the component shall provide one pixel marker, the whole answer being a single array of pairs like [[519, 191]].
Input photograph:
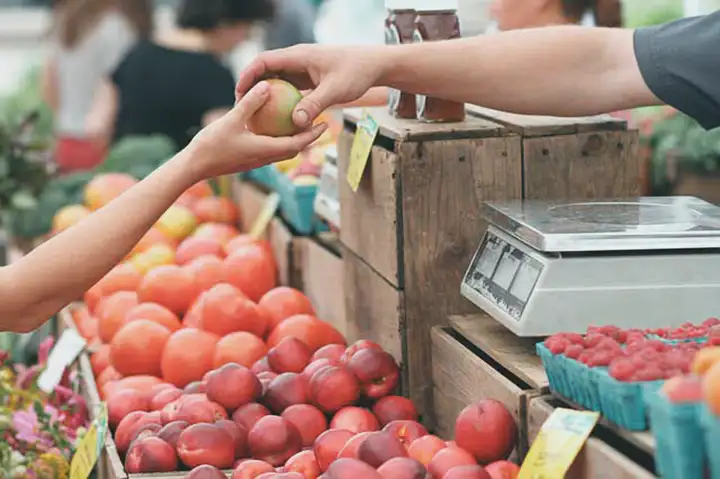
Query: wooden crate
[[463, 375], [415, 223], [597, 459], [323, 279]]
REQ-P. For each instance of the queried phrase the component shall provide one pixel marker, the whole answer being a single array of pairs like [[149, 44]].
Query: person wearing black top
[[177, 83]]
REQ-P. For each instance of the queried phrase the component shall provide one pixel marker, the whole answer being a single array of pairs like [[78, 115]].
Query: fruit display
[[40, 432], [207, 365]]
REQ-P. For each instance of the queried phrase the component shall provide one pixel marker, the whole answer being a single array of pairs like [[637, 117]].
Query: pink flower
[[26, 425]]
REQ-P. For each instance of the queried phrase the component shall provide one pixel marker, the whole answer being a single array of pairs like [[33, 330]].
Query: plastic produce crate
[[297, 204]]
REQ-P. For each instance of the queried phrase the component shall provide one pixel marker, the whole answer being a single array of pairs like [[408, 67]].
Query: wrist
[[389, 61], [187, 167]]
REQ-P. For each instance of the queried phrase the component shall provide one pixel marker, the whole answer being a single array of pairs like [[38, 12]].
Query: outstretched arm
[[59, 271]]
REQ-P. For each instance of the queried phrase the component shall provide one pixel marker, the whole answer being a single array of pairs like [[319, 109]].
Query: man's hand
[[226, 146], [333, 75]]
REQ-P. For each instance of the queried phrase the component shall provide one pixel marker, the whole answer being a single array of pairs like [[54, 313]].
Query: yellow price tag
[[558, 443], [90, 447], [367, 130], [266, 214]]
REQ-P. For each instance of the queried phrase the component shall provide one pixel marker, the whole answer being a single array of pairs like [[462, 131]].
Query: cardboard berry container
[[263, 176], [297, 204], [676, 428], [710, 424], [623, 403], [570, 378], [674, 342], [554, 369]]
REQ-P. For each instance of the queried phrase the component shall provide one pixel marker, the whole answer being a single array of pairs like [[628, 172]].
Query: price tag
[[266, 214], [63, 354], [558, 443], [367, 130], [86, 455]]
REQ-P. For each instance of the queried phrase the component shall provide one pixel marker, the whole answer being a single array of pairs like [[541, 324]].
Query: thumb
[[317, 101], [251, 102]]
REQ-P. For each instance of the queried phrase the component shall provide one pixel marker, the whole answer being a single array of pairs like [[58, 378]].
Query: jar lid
[[435, 5]]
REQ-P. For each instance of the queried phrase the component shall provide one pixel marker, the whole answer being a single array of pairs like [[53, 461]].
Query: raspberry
[[710, 322], [575, 338], [573, 351], [622, 369], [557, 345]]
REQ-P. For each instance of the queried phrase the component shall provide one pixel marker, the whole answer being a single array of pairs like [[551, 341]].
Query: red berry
[[573, 351], [622, 369]]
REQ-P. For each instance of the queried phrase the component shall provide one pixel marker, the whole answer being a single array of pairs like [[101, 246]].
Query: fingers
[[288, 147], [290, 64], [318, 100], [249, 77], [251, 102]]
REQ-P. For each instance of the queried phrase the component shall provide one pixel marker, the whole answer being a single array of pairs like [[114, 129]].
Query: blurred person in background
[[517, 14], [293, 24], [89, 38], [178, 82]]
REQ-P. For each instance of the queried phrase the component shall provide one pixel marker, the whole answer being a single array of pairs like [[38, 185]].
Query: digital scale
[[548, 267], [327, 205]]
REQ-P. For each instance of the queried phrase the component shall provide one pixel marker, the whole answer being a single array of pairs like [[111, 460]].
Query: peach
[[704, 359], [486, 430], [403, 468], [350, 450], [206, 472], [123, 403], [305, 463], [502, 470], [380, 447], [376, 370], [194, 388], [164, 397], [150, 454], [357, 346], [683, 389], [170, 432], [232, 386], [249, 414], [251, 469], [286, 390], [467, 472], [423, 449], [317, 365], [332, 352], [206, 444], [274, 440], [711, 388], [239, 434], [334, 387], [194, 410], [328, 445], [290, 356], [394, 408], [351, 469], [406, 432], [275, 117], [355, 420], [281, 475], [449, 458], [145, 431], [261, 365], [308, 420], [130, 425]]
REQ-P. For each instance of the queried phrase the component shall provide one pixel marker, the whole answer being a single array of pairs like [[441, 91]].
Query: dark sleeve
[[680, 62], [219, 92]]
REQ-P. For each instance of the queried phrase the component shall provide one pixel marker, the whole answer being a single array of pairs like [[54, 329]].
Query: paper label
[[90, 447], [266, 215], [367, 130], [63, 354], [558, 443]]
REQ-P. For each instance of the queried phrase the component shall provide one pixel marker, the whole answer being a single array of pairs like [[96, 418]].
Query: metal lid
[[661, 223]]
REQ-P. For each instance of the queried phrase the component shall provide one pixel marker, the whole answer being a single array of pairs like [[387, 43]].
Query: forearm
[[61, 269], [560, 71]]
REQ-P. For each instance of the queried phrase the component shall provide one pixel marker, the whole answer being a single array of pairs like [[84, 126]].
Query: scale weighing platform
[[548, 267]]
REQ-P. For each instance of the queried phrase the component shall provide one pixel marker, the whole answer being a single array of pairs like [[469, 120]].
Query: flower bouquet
[[38, 431]]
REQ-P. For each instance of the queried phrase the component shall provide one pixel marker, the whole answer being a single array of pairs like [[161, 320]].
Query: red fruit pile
[[633, 355]]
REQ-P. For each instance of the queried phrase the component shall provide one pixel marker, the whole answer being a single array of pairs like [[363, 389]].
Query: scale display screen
[[503, 274]]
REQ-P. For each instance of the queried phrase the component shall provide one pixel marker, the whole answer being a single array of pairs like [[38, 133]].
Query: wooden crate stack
[[410, 230]]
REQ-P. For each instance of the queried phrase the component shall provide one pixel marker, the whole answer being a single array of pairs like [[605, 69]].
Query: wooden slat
[[515, 354], [444, 184], [582, 166], [251, 199], [413, 130], [596, 460], [536, 125], [288, 251], [462, 378], [323, 282], [374, 308], [370, 217]]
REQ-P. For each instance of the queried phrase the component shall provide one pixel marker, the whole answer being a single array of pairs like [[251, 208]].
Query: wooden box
[[323, 279], [413, 225], [598, 458]]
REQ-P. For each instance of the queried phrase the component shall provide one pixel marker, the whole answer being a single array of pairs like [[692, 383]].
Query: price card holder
[[558, 443], [367, 130], [62, 355], [266, 215]]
